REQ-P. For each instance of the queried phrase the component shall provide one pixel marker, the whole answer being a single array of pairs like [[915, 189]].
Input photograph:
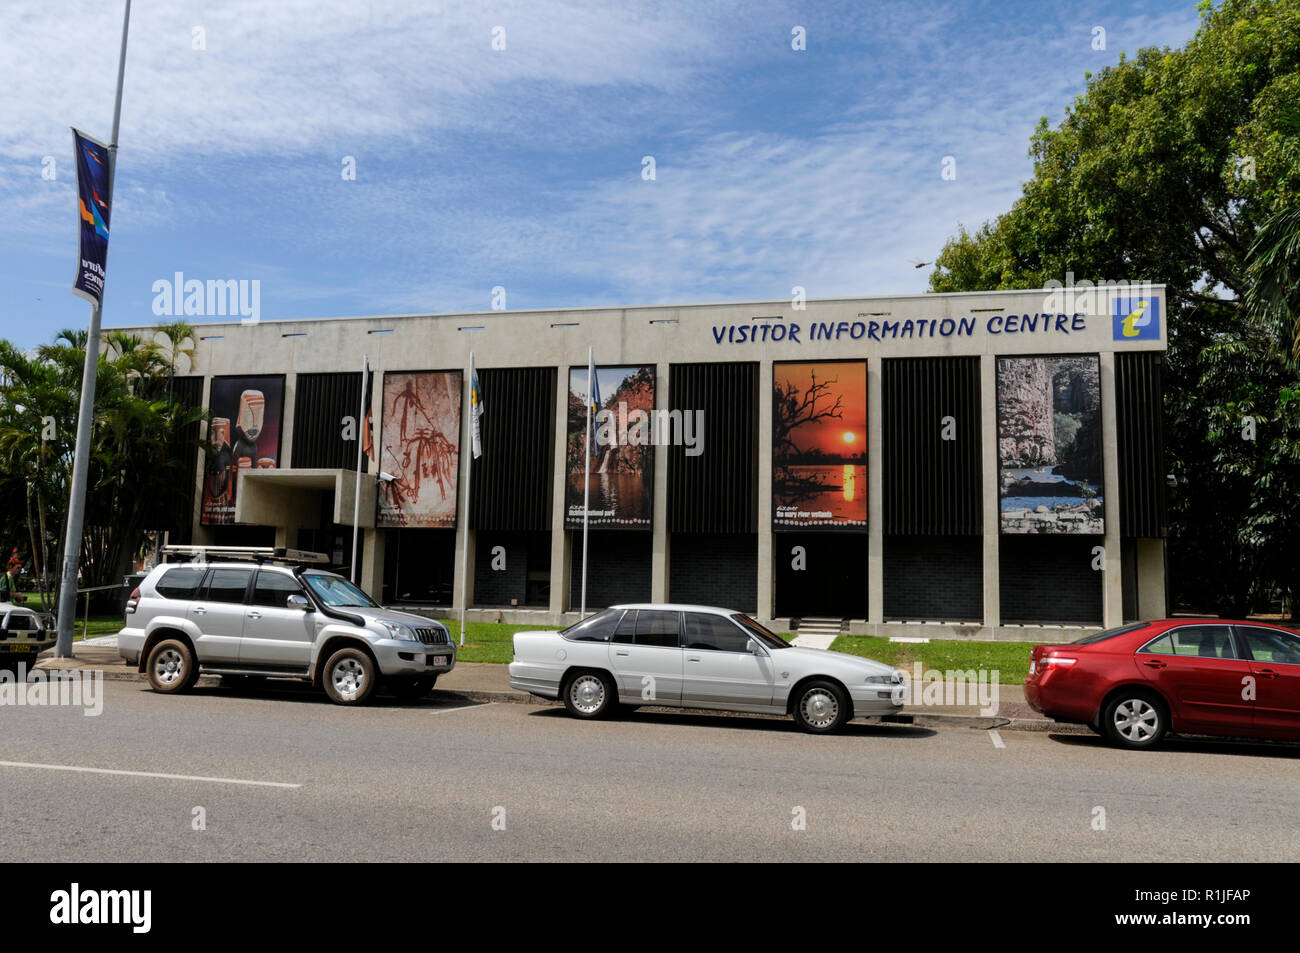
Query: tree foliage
[[1182, 167], [142, 445]]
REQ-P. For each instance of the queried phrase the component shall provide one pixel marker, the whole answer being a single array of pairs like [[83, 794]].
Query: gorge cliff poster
[[1049, 445], [420, 446], [819, 445], [622, 464]]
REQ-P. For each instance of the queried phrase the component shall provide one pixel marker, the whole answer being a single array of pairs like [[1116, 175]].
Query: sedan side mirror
[[298, 601], [752, 647]]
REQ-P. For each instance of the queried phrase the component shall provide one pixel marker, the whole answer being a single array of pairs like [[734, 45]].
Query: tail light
[[133, 600], [1062, 661]]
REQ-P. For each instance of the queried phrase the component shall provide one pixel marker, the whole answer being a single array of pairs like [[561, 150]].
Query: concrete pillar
[[372, 563], [989, 490], [560, 545], [766, 555], [1112, 588], [1152, 601], [875, 497], [660, 554]]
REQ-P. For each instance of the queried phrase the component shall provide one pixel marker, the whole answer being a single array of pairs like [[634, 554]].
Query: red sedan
[[1191, 676]]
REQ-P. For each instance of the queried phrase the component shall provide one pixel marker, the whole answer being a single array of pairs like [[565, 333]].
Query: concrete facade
[[874, 329]]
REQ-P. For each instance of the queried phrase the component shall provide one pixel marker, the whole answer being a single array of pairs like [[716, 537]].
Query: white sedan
[[683, 656]]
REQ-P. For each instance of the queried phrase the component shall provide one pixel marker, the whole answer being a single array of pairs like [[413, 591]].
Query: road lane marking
[[997, 738], [146, 774]]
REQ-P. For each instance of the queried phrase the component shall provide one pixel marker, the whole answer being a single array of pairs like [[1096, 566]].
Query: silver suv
[[256, 618]]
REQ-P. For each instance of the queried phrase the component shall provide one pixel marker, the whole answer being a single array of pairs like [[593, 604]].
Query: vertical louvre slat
[[931, 486], [717, 491], [1139, 414], [321, 402], [511, 483]]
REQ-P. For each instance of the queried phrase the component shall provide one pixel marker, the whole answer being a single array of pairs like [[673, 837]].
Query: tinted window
[[1271, 645], [655, 627], [1201, 641], [228, 585], [599, 628], [179, 583], [273, 589], [626, 631], [761, 634], [714, 632]]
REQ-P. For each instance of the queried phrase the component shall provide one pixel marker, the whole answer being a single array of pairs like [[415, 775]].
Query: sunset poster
[[819, 445]]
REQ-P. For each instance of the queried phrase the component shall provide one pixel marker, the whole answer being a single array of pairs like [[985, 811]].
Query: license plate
[[19, 647], [440, 661]]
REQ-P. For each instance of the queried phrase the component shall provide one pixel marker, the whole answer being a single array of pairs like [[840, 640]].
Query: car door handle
[[1155, 663], [199, 610], [254, 614], [692, 658], [617, 652], [1269, 673]]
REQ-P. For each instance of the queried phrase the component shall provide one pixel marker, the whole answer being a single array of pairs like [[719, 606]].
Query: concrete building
[[943, 465]]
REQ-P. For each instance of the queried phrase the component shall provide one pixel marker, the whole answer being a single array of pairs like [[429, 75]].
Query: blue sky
[[522, 167]]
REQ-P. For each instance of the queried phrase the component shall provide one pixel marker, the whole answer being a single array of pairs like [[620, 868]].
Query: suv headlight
[[399, 631]]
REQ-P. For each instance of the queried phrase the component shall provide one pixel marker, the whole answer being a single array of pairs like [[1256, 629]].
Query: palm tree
[[1273, 297]]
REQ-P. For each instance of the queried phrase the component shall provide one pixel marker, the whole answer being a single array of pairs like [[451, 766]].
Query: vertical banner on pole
[[94, 198]]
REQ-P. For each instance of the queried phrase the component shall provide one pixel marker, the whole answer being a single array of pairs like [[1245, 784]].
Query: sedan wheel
[[1134, 720], [589, 695], [821, 708]]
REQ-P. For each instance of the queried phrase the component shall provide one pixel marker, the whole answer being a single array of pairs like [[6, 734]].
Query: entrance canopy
[[293, 497]]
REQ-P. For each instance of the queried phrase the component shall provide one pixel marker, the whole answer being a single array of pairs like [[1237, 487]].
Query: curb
[[916, 720]]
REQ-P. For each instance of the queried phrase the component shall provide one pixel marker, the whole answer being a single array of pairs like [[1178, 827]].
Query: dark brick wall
[[526, 554], [1049, 579], [934, 578], [834, 582], [714, 570], [618, 569]]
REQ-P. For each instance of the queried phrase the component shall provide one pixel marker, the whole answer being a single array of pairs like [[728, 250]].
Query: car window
[[273, 589], [1200, 641], [625, 632], [714, 633], [179, 583], [1271, 645], [228, 585], [597, 628], [657, 627]]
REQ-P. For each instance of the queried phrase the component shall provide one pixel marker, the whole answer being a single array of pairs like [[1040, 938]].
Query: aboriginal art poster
[[245, 428], [420, 449]]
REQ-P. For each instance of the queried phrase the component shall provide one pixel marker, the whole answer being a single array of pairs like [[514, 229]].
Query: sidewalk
[[484, 681]]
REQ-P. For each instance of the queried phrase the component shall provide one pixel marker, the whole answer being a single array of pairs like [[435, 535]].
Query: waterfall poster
[[1049, 445], [420, 447], [819, 445], [245, 434], [622, 465]]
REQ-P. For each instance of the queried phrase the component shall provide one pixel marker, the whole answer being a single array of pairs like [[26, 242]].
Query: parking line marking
[[146, 774], [997, 738]]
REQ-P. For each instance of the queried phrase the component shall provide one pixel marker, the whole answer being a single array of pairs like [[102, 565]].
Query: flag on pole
[[94, 195], [367, 432], [476, 408]]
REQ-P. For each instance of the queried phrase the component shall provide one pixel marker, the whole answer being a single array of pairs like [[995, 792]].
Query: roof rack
[[255, 554]]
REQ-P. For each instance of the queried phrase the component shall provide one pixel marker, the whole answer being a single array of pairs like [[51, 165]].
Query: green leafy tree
[[1182, 167], [142, 446]]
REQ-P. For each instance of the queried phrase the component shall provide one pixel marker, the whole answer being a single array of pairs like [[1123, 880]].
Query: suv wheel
[[349, 677], [171, 667]]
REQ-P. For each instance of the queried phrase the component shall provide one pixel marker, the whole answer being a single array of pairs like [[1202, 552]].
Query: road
[[443, 780]]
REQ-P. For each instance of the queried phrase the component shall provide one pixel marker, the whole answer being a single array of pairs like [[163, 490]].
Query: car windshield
[[1108, 634], [337, 591], [761, 635]]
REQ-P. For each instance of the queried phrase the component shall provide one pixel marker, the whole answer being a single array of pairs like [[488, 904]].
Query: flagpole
[[356, 503], [86, 410], [586, 486], [469, 465]]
